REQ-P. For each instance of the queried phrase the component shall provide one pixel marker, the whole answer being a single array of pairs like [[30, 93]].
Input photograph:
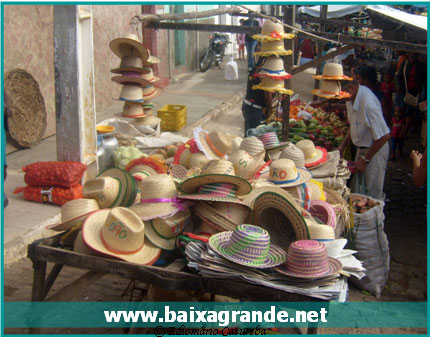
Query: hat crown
[[220, 141], [132, 109], [123, 231], [277, 45], [272, 83], [171, 227], [331, 87], [320, 232], [131, 93], [269, 27], [218, 166], [75, 208], [251, 242], [149, 76], [293, 153], [148, 90], [236, 213], [307, 257], [243, 163], [269, 139], [283, 170], [158, 186], [252, 145], [332, 69], [308, 148], [131, 61], [103, 189], [274, 63]]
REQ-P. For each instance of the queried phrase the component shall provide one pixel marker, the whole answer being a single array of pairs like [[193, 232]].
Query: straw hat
[[235, 144], [276, 211], [283, 173], [107, 191], [163, 232], [214, 144], [274, 68], [207, 230], [131, 93], [309, 259], [130, 63], [217, 176], [253, 146], [272, 31], [314, 156], [331, 89], [323, 211], [320, 232], [120, 233], [150, 91], [131, 110], [315, 189], [131, 78], [151, 60], [300, 194], [149, 77], [129, 46], [332, 71], [150, 165], [272, 85], [248, 245], [245, 165], [193, 160], [80, 247], [127, 182], [158, 198], [74, 212], [273, 48], [293, 153], [150, 121]]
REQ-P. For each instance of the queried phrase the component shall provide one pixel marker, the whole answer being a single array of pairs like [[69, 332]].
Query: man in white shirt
[[369, 133]]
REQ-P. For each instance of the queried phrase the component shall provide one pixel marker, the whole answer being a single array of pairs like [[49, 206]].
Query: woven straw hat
[[80, 247], [248, 245], [214, 145], [293, 153], [315, 190], [131, 93], [309, 259], [272, 85], [107, 191], [146, 164], [149, 77], [151, 60], [272, 31], [128, 183], [324, 212], [163, 232], [314, 156], [283, 173], [190, 160], [320, 232], [245, 165], [274, 68], [129, 46], [146, 120], [131, 78], [131, 110], [74, 212], [235, 144], [158, 198], [300, 194], [120, 233], [273, 48], [332, 71], [217, 172], [206, 230], [331, 89], [253, 146], [150, 92], [139, 176], [130, 63], [26, 113]]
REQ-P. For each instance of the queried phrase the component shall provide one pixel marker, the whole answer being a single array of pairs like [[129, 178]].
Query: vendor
[[369, 133]]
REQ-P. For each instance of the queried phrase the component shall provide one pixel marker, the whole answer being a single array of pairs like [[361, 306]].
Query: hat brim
[[142, 70], [260, 86], [267, 38], [121, 99], [211, 224], [157, 91], [267, 53], [141, 82], [151, 211], [200, 138], [340, 95], [69, 224], [151, 60], [161, 242], [323, 211], [278, 147], [116, 44], [319, 159], [121, 115], [283, 76], [333, 78], [219, 242], [334, 266], [128, 184], [304, 176], [91, 237], [191, 185]]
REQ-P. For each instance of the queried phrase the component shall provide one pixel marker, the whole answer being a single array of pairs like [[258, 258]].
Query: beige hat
[[246, 165], [131, 78], [272, 85], [293, 153], [74, 212], [80, 247], [214, 174], [214, 144], [150, 91], [120, 233], [158, 198], [131, 63], [150, 121], [253, 146], [332, 71], [131, 110], [272, 31], [315, 190], [129, 45], [107, 191], [314, 156], [163, 232], [320, 232], [149, 77], [131, 93], [273, 48], [283, 173], [151, 60], [274, 68], [207, 230], [191, 160], [235, 144]]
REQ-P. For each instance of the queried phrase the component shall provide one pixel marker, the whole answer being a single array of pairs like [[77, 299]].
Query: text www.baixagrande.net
[[223, 318]]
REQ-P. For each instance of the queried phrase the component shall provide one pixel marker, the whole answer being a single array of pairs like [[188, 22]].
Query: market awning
[[333, 11]]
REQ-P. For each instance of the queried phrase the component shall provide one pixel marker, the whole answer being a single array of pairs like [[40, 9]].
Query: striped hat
[[323, 211], [248, 245], [253, 146], [295, 154], [309, 259]]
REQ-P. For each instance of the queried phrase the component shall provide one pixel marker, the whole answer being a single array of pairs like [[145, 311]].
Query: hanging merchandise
[[231, 70]]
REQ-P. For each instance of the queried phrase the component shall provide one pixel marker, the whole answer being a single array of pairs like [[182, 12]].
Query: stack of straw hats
[[331, 87]]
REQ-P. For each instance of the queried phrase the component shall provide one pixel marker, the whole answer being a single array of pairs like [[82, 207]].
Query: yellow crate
[[173, 117]]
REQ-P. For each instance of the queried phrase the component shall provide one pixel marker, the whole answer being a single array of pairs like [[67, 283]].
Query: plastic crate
[[173, 117]]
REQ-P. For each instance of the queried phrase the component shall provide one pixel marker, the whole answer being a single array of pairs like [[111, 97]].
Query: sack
[[231, 71], [53, 195], [358, 184], [54, 173], [411, 100]]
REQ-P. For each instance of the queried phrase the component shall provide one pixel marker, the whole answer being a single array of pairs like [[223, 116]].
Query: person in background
[[387, 89], [307, 48], [419, 167], [240, 38], [261, 19], [369, 132], [250, 43], [397, 132], [367, 76]]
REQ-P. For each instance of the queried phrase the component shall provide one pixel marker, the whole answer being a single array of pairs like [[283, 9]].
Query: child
[[240, 37], [387, 88], [397, 132]]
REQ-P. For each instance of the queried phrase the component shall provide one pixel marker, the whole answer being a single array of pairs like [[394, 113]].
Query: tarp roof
[[333, 11]]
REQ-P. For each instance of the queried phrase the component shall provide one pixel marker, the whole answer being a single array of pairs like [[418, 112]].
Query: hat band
[[130, 100], [329, 92], [149, 94], [175, 201], [212, 146], [275, 35], [116, 251], [218, 189], [131, 74], [286, 181], [278, 72], [305, 196], [140, 178]]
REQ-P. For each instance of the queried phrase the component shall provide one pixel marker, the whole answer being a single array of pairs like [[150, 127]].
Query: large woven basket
[[341, 209], [25, 108]]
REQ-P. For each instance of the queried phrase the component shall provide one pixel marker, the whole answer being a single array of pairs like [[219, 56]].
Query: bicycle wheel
[[206, 61]]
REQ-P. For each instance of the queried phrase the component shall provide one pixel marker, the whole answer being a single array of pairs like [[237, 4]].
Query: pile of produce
[[166, 152], [362, 204]]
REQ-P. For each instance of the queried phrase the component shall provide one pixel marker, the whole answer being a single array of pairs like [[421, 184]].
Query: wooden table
[[43, 251]]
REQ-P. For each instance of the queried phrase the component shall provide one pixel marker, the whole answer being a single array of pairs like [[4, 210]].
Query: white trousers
[[375, 171]]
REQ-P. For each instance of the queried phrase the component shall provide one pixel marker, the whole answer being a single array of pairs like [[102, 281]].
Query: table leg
[[38, 290], [313, 331]]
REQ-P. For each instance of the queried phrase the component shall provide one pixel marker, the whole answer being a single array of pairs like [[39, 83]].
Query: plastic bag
[[54, 173], [231, 70], [52, 195]]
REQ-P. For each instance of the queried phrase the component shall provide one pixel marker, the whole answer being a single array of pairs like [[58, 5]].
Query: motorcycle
[[214, 52]]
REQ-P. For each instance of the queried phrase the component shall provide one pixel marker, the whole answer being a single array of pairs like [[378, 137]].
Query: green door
[[179, 40]]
